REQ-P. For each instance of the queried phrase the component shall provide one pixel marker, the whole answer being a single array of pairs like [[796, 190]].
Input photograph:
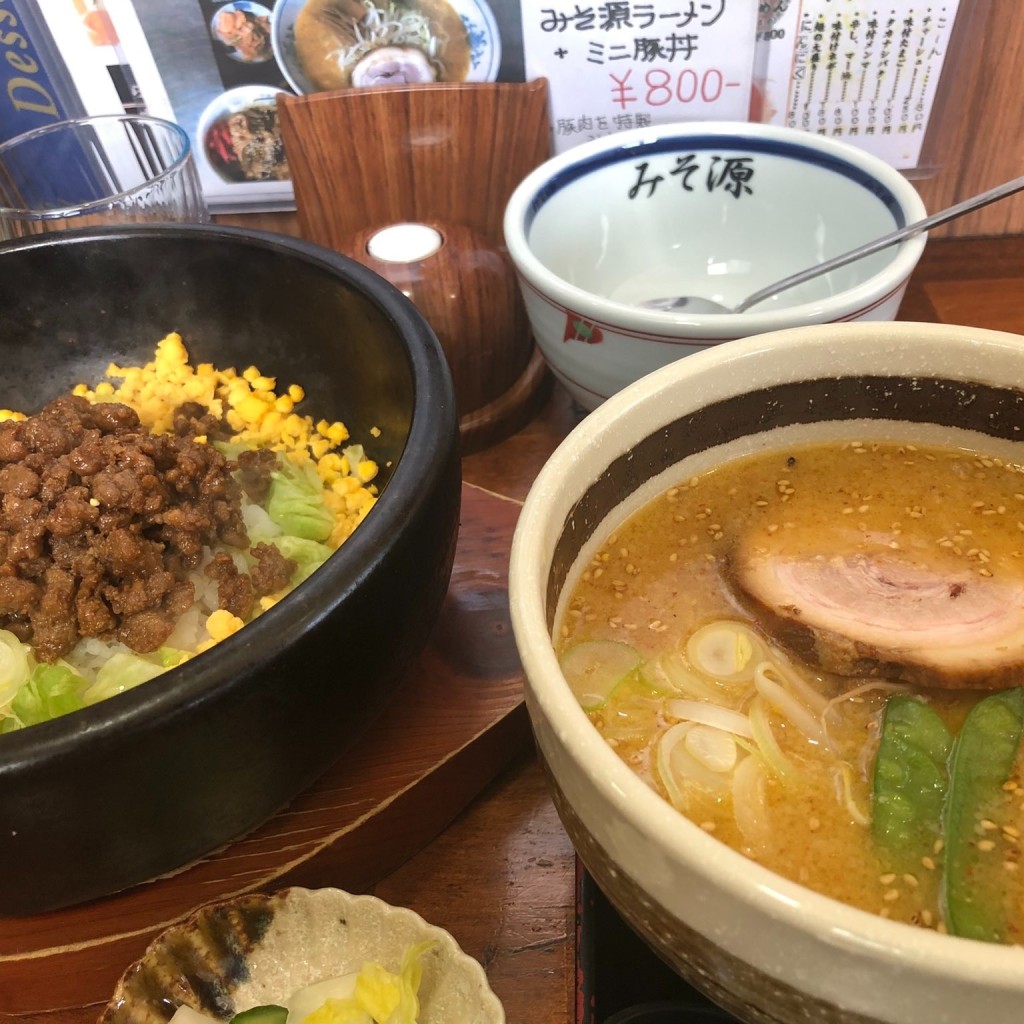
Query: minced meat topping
[[101, 523]]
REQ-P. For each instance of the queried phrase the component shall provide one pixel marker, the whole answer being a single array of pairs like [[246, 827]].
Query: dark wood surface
[[500, 876]]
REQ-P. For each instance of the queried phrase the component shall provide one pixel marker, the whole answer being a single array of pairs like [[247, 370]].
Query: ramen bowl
[[766, 948], [152, 778], [713, 210]]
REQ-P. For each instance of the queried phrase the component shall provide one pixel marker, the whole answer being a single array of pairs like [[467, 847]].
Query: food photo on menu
[[223, 65]]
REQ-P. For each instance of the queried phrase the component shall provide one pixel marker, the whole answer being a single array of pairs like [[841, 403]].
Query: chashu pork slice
[[875, 612]]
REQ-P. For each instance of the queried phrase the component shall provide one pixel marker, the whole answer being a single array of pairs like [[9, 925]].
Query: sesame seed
[[986, 846], [928, 863], [910, 880], [887, 879], [891, 895]]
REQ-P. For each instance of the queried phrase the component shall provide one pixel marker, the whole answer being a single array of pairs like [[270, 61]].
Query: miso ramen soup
[[817, 655]]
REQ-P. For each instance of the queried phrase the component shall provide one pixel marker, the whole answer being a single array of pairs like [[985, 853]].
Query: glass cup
[[110, 169]]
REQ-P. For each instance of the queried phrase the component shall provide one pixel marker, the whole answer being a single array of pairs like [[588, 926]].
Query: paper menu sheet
[[629, 63], [863, 72]]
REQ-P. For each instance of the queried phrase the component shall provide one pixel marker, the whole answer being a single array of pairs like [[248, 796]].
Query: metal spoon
[[695, 304]]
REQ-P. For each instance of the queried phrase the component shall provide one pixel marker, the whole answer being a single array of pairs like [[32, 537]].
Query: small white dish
[[257, 950]]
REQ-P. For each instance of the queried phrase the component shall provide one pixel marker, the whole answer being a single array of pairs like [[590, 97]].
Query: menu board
[[865, 71]]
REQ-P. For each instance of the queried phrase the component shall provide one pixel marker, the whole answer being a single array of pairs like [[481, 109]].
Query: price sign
[[622, 64], [866, 73]]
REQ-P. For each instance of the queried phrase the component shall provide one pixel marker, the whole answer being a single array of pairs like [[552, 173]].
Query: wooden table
[[501, 876]]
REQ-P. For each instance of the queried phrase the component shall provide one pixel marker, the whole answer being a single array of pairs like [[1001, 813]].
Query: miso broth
[[776, 755]]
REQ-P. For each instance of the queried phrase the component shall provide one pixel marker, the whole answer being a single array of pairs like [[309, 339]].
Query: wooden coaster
[[457, 719]]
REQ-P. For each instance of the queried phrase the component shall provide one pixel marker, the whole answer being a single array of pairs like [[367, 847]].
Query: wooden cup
[[444, 157]]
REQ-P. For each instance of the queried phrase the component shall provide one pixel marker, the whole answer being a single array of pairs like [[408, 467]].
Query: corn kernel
[[222, 624], [252, 409]]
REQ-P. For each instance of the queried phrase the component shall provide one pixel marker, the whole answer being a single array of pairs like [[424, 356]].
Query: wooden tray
[[456, 720]]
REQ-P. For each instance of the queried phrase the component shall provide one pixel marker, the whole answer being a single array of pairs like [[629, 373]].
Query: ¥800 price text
[[658, 87]]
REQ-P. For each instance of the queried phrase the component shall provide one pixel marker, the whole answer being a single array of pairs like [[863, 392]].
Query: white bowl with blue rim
[[712, 209]]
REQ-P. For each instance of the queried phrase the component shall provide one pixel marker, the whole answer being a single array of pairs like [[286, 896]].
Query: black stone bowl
[[147, 781]]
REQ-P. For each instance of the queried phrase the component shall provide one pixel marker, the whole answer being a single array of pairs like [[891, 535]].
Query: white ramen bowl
[[764, 947], [716, 210]]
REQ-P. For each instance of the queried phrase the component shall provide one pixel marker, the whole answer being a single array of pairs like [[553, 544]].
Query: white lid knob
[[404, 243]]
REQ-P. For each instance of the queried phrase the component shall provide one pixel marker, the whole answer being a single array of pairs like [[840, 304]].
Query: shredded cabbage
[[51, 691], [14, 665], [122, 671], [296, 502]]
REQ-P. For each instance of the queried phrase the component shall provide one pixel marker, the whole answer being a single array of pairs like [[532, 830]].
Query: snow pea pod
[[983, 758], [910, 781]]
